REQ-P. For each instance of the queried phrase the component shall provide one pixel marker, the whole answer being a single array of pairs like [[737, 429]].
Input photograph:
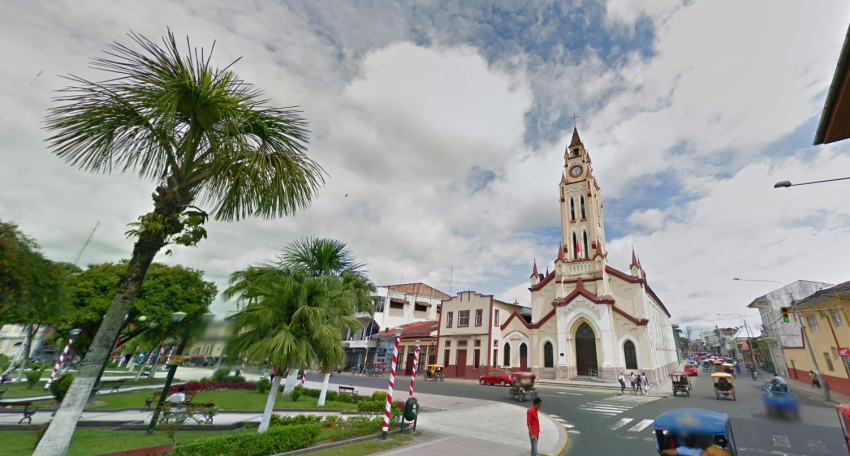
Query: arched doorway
[[585, 350], [548, 355], [630, 354], [523, 357], [507, 355]]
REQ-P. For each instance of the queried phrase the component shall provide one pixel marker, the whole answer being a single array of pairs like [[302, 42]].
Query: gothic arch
[[541, 350], [583, 208], [575, 243], [622, 344], [548, 354], [585, 244], [506, 355], [572, 208]]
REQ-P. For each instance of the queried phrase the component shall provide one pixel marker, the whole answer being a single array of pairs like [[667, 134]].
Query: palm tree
[[288, 323], [204, 136]]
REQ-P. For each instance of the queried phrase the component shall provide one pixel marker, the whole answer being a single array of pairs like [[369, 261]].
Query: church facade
[[587, 318]]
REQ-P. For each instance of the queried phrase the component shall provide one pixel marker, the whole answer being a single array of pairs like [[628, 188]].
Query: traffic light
[[784, 311]]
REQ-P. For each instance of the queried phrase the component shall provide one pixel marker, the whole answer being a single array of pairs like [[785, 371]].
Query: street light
[[786, 184], [826, 394], [176, 317]]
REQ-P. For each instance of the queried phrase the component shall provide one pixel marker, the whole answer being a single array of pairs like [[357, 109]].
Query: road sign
[[843, 351]]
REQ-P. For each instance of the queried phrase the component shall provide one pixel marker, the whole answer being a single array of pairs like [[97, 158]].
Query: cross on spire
[[574, 117]]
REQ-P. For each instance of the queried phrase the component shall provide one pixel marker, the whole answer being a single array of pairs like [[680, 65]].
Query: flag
[[578, 249]]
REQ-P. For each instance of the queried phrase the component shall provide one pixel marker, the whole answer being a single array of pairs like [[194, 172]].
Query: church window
[[507, 360], [548, 355], [586, 252], [630, 355], [583, 210], [572, 208], [575, 244]]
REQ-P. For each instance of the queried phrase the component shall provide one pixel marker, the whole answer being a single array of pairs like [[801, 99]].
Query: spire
[[576, 140], [634, 258], [563, 178], [534, 272], [561, 252]]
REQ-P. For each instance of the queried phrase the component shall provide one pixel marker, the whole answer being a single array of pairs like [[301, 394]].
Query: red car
[[501, 377], [691, 369]]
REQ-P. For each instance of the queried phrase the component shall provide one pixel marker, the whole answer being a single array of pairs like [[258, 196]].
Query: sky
[[442, 126]]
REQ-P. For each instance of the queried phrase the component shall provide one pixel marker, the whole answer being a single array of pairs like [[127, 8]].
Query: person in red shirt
[[533, 423]]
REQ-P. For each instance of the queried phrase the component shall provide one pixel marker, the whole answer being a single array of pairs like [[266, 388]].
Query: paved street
[[623, 424]]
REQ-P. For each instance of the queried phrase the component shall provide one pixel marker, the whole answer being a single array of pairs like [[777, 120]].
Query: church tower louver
[[589, 319]]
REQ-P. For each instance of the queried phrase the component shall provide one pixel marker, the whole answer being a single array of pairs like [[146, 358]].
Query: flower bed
[[209, 386]]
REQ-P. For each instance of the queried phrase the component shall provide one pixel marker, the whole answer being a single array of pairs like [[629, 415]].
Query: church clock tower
[[583, 250]]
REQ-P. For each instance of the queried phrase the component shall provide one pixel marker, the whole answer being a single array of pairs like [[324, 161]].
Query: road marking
[[817, 445], [554, 416], [621, 423], [571, 394], [641, 426], [781, 441]]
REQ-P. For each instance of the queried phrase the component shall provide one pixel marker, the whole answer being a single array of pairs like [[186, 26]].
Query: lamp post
[[176, 317], [786, 184], [386, 428], [825, 386]]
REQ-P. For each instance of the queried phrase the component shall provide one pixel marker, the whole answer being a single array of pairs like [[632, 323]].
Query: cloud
[[649, 219]]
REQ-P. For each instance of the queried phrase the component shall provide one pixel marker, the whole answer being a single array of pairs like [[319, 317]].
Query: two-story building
[[395, 306], [424, 332], [824, 314]]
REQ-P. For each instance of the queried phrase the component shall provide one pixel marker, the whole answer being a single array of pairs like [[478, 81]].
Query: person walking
[[632, 378], [645, 381], [622, 380], [533, 422]]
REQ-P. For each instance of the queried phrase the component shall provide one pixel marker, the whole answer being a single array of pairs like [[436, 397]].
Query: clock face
[[575, 171]]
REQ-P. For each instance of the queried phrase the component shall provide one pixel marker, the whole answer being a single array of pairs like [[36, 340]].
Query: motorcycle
[[754, 374]]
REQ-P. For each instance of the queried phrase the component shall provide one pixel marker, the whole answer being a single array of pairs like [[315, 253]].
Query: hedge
[[248, 443]]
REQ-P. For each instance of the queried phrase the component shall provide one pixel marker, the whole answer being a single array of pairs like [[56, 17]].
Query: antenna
[[15, 101], [88, 240]]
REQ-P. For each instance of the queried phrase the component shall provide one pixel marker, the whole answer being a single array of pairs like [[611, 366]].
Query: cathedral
[[587, 318]]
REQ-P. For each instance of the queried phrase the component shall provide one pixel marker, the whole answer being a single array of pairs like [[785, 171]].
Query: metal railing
[[593, 373]]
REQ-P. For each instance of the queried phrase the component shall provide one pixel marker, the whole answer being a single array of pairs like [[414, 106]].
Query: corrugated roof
[[418, 288], [412, 329]]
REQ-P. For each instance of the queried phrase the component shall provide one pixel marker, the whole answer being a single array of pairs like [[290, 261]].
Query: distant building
[[835, 121], [211, 346], [424, 332]]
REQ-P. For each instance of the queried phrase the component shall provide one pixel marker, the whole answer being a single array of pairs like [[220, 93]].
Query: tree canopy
[[31, 286], [167, 289]]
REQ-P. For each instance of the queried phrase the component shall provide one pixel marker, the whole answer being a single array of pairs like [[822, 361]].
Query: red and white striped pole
[[386, 427], [415, 366], [303, 376], [60, 361]]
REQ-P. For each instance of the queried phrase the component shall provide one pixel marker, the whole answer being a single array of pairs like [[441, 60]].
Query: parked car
[[501, 377], [691, 369]]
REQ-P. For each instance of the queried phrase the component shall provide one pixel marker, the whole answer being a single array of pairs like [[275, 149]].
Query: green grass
[[90, 441], [225, 400], [367, 447], [20, 389]]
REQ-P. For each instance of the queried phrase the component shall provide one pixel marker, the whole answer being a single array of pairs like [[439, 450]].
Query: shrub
[[60, 386], [296, 393], [347, 398], [33, 377], [277, 420], [380, 396], [331, 396], [209, 386], [371, 406], [263, 386], [331, 421], [220, 374], [233, 379], [248, 443], [310, 392]]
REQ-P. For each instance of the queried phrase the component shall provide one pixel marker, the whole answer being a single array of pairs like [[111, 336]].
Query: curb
[[563, 437]]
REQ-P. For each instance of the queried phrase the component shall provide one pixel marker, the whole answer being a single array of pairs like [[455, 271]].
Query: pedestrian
[[814, 377], [645, 381], [632, 378], [622, 380], [533, 422]]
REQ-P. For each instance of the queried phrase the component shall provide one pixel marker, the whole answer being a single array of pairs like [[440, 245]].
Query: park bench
[[27, 411], [161, 449], [190, 395], [200, 413], [347, 389], [113, 385]]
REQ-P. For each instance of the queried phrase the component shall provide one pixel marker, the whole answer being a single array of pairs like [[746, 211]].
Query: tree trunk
[[267, 412], [57, 439], [26, 350], [291, 381], [324, 392]]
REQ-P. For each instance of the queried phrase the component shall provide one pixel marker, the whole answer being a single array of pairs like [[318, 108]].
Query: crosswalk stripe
[[781, 441], [817, 445], [621, 423], [641, 426]]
